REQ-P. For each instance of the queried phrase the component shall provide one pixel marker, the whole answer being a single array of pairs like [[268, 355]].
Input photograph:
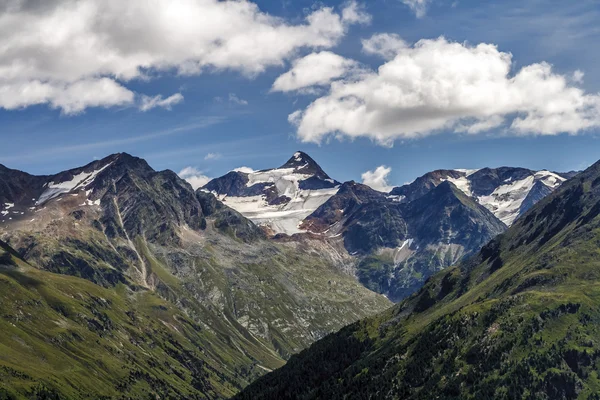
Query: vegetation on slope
[[64, 337], [520, 320], [185, 281]]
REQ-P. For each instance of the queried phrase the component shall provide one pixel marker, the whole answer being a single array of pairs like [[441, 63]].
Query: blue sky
[[235, 116]]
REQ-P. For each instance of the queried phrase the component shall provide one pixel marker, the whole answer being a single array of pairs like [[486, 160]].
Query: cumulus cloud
[[148, 103], [355, 13], [384, 44], [70, 97], [378, 179], [51, 49], [439, 86], [194, 177], [419, 7], [316, 69]]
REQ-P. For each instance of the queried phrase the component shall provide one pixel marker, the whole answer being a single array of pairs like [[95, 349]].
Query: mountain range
[[121, 280], [396, 239], [518, 320]]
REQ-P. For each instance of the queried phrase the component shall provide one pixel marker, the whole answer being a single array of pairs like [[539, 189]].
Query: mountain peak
[[299, 158], [305, 164]]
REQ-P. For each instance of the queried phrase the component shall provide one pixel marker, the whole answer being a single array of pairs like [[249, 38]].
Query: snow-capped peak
[[279, 198]]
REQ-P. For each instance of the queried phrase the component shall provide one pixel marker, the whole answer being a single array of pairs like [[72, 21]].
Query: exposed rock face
[[401, 244], [126, 228]]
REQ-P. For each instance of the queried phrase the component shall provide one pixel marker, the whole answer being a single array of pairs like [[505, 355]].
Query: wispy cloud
[[212, 156], [148, 103], [419, 7], [55, 151], [232, 99]]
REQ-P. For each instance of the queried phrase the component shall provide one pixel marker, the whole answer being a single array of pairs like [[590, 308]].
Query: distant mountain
[[397, 239], [506, 192], [519, 320], [280, 198], [400, 244], [124, 281]]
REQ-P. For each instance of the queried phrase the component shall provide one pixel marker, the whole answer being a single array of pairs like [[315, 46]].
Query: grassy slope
[[521, 320], [220, 324], [64, 335]]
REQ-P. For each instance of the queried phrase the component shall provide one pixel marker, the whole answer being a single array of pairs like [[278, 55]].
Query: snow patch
[[89, 202], [462, 183], [395, 198], [467, 172], [407, 242], [505, 202], [549, 179], [79, 181], [7, 207]]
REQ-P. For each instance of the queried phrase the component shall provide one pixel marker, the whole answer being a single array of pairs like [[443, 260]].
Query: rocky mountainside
[[278, 199], [143, 287], [399, 239], [506, 192], [398, 245], [517, 320]]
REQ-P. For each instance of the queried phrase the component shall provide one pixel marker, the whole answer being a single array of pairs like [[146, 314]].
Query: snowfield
[[283, 218], [505, 202], [79, 181]]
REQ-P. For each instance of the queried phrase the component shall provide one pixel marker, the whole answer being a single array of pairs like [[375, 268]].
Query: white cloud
[[194, 177], [231, 99], [378, 179], [316, 69], [149, 103], [71, 97], [236, 100], [212, 156], [51, 49], [355, 13], [419, 7], [245, 170], [439, 86], [384, 44], [578, 76]]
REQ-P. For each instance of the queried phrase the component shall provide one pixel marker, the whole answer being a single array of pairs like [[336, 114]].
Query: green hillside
[[520, 320], [64, 337]]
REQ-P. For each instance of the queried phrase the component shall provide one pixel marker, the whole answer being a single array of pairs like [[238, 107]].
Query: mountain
[[278, 198], [517, 320], [506, 192], [397, 239], [124, 281], [398, 245]]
